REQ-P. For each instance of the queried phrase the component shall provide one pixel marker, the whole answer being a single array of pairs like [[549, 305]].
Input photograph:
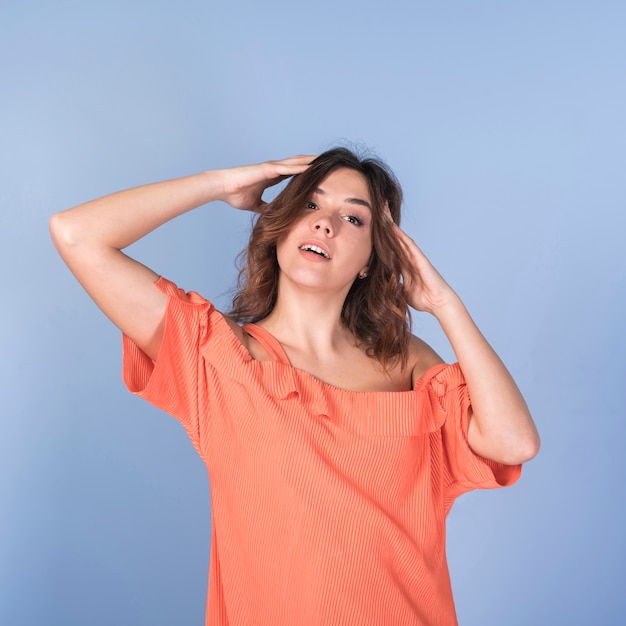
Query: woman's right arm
[[90, 238]]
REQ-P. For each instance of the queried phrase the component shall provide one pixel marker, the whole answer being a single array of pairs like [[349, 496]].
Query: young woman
[[336, 442]]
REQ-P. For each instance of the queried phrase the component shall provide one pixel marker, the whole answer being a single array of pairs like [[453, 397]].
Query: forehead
[[347, 185]]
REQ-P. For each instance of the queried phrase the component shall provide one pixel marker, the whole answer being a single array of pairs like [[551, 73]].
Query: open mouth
[[316, 249]]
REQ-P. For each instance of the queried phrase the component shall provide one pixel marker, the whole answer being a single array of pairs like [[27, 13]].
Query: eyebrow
[[358, 201]]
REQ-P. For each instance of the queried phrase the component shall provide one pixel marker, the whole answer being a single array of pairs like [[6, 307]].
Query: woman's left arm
[[500, 425]]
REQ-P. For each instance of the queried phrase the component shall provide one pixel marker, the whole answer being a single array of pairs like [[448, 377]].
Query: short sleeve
[[463, 470], [175, 382]]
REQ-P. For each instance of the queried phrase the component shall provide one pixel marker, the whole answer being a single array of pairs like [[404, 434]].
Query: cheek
[[292, 233], [286, 246], [368, 247], [288, 237]]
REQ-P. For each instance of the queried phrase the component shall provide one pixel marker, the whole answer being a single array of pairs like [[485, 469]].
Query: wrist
[[214, 185], [449, 308]]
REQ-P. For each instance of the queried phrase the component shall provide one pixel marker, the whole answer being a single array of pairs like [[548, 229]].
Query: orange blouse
[[328, 505]]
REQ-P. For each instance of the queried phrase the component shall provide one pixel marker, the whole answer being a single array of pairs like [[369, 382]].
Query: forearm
[[120, 219], [90, 238], [501, 428]]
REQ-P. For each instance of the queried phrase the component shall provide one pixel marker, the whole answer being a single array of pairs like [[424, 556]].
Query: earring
[[363, 275]]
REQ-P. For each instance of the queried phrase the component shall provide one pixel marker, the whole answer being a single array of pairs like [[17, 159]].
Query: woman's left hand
[[427, 290], [500, 426]]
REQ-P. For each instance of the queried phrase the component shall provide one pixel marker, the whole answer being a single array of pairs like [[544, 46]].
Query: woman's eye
[[354, 219], [311, 205]]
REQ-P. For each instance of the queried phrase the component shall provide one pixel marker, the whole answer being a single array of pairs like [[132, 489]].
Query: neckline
[[364, 413], [275, 348]]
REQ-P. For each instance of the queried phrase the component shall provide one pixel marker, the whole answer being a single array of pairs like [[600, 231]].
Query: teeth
[[315, 249]]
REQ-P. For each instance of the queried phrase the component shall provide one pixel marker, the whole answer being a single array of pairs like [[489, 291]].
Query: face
[[331, 243]]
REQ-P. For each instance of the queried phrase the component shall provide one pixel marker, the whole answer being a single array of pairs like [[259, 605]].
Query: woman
[[336, 442]]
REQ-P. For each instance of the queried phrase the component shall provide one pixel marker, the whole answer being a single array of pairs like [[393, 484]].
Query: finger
[[387, 212], [402, 236], [300, 161], [289, 169], [417, 259], [406, 240], [300, 158]]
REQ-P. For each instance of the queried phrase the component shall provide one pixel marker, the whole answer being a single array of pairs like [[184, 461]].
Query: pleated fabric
[[328, 505]]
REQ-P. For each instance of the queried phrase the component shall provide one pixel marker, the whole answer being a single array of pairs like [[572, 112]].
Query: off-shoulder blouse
[[328, 505]]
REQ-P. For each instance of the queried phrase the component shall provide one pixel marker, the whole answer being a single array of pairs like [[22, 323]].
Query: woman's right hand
[[90, 238], [244, 186]]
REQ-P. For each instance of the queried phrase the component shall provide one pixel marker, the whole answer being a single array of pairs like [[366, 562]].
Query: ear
[[364, 271]]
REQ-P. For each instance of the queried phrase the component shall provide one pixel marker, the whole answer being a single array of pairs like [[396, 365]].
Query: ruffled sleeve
[[175, 382], [463, 470]]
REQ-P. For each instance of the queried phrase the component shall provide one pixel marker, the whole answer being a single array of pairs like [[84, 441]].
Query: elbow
[[523, 449], [62, 231], [59, 230], [534, 446], [511, 446], [529, 441]]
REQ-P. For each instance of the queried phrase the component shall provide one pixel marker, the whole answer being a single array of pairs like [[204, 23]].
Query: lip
[[319, 244]]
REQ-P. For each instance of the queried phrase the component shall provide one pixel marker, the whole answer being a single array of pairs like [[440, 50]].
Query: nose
[[323, 224]]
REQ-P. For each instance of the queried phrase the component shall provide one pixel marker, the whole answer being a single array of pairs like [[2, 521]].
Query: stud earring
[[363, 275]]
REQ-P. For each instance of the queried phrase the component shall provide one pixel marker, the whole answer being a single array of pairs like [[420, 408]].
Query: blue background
[[505, 122]]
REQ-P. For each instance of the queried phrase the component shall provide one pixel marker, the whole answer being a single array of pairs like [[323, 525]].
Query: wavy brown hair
[[376, 308]]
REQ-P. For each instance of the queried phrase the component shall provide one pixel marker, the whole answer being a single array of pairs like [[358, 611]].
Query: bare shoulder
[[421, 358]]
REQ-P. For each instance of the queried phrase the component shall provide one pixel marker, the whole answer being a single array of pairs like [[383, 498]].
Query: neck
[[308, 320]]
